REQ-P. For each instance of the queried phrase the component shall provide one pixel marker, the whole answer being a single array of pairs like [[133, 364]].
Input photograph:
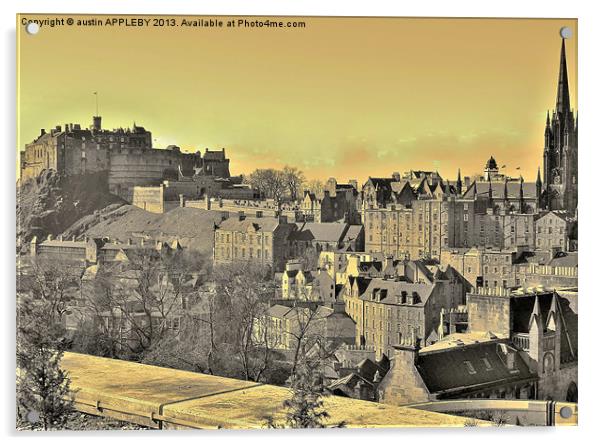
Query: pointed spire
[[553, 313], [536, 313], [563, 103], [459, 183], [548, 119], [538, 177]]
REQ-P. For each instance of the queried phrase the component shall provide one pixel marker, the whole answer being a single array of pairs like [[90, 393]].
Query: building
[[548, 270], [288, 327], [337, 202], [542, 325], [261, 240], [309, 285], [489, 369], [485, 267], [419, 230], [552, 230], [386, 309], [126, 154], [318, 237], [91, 251], [560, 172]]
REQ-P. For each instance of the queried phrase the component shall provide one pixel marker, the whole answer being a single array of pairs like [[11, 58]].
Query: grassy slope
[[193, 227]]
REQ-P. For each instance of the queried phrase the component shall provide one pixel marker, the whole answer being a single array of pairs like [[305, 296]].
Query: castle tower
[[560, 148]]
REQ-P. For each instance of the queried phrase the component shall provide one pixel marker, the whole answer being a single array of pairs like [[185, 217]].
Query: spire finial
[[563, 102]]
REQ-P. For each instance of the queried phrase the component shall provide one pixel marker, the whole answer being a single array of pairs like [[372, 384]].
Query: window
[[469, 367]]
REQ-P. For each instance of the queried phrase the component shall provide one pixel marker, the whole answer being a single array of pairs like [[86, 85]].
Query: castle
[[127, 155]]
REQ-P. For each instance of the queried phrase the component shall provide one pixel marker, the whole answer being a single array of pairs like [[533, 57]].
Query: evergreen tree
[[305, 407], [44, 399]]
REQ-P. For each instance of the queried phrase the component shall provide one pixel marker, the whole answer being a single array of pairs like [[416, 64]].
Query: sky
[[341, 97]]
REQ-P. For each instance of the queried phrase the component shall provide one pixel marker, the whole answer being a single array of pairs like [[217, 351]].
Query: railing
[[521, 341]]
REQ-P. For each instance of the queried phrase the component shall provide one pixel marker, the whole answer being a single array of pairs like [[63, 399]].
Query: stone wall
[[403, 384], [556, 386], [148, 198], [489, 311]]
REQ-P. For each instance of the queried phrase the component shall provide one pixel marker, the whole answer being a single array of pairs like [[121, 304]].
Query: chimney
[[396, 176], [141, 242], [407, 351], [42, 132], [73, 238]]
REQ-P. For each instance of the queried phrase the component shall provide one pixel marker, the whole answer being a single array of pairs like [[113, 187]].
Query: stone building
[[93, 251], [420, 230], [127, 154], [261, 240], [488, 369], [543, 328], [518, 346], [552, 230], [311, 285], [560, 170], [286, 327], [386, 309], [337, 202], [485, 267], [548, 270], [318, 237]]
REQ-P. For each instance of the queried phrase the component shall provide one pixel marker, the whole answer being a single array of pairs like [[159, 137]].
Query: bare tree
[[138, 301], [271, 183], [314, 186], [243, 293], [294, 179]]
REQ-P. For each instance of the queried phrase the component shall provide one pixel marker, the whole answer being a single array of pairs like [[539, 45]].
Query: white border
[[590, 78]]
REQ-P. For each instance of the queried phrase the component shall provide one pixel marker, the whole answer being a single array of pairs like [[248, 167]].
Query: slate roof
[[392, 289], [456, 362], [564, 259], [258, 224], [310, 231], [521, 307], [481, 189]]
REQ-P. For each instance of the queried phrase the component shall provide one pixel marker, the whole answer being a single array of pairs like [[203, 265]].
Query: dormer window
[[469, 367], [487, 364]]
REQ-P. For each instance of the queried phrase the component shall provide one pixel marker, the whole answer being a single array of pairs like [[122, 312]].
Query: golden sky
[[343, 97]]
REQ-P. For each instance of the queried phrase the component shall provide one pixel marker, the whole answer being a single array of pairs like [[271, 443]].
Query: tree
[[270, 183], [44, 398], [138, 302], [294, 179], [314, 186], [243, 291], [305, 408]]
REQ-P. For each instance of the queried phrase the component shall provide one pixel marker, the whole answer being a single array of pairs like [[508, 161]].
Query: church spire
[[459, 183], [563, 102]]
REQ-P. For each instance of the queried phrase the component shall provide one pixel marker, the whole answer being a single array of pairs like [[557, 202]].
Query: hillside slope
[[192, 227], [52, 202]]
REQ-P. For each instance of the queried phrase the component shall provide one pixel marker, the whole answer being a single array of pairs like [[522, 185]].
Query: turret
[[96, 123]]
